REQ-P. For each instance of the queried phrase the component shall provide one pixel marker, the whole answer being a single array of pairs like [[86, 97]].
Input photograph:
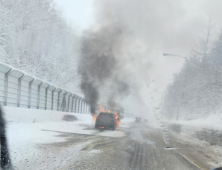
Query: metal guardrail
[[20, 89]]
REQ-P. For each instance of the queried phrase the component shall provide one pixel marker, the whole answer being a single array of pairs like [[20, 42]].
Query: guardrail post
[[6, 87], [87, 109], [52, 98], [72, 103], [58, 100], [83, 107], [82, 102], [19, 90], [30, 92], [46, 96], [67, 110], [64, 109], [75, 106], [80, 105], [39, 86]]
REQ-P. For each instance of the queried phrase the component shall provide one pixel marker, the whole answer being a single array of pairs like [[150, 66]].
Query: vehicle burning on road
[[107, 120]]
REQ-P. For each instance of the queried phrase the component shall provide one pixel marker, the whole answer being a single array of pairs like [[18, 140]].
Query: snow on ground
[[28, 129], [30, 125], [112, 133], [204, 133], [207, 128], [34, 125], [24, 115]]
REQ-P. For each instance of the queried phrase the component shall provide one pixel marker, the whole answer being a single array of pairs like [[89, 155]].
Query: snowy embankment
[[42, 126], [208, 129], [29, 131], [27, 126]]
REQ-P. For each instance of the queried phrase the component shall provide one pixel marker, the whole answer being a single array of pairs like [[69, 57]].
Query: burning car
[[107, 120]]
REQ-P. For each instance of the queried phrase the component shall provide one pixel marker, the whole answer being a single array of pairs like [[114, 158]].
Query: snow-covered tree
[[197, 89], [35, 38]]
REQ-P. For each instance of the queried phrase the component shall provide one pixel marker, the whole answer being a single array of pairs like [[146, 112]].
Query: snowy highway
[[151, 71], [63, 145]]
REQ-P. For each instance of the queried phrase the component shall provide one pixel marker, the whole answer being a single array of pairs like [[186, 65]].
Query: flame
[[94, 118], [117, 120], [102, 109], [116, 115]]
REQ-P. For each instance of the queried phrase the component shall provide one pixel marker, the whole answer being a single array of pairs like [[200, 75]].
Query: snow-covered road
[[32, 135], [43, 140], [37, 145]]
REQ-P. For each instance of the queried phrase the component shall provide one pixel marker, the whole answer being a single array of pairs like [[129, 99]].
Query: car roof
[[106, 113]]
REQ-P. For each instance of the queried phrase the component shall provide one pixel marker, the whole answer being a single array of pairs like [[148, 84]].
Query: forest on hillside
[[35, 38], [197, 90]]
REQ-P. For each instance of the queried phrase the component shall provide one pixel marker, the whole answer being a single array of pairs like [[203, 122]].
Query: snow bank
[[208, 128], [44, 126], [24, 115], [33, 125], [28, 130]]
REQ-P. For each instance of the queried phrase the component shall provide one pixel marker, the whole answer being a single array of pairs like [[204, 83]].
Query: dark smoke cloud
[[160, 25], [155, 27], [120, 90], [116, 105], [130, 38], [99, 65], [91, 94]]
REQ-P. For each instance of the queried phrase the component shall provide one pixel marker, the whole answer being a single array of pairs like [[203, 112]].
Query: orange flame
[[94, 118], [117, 119], [102, 109]]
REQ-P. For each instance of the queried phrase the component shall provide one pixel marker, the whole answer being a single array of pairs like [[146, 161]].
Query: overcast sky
[[78, 12], [82, 12], [156, 26]]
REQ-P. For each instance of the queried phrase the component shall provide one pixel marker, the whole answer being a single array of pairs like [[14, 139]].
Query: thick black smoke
[[120, 90], [99, 65], [91, 94]]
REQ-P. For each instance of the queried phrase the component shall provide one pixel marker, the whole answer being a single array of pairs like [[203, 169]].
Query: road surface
[[134, 146]]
